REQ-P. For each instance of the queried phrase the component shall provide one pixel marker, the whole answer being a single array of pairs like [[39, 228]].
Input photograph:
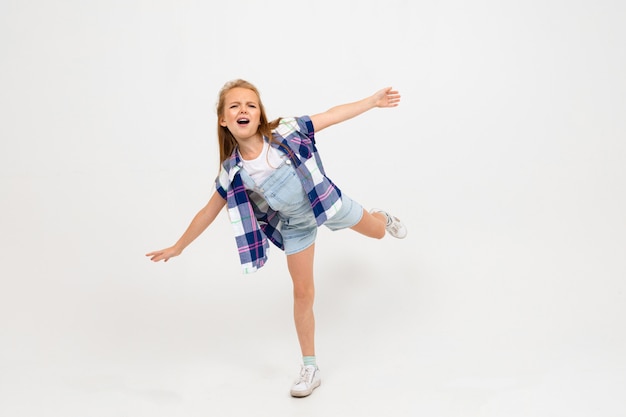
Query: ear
[[223, 123]]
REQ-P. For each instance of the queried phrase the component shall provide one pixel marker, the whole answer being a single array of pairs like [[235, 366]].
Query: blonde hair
[[226, 140]]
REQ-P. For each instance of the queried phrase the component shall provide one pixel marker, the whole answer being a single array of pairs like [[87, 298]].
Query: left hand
[[387, 97]]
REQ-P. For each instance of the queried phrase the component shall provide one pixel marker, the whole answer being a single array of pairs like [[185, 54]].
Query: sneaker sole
[[301, 394], [398, 236]]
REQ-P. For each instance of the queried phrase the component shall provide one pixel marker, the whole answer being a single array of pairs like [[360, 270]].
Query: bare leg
[[371, 225], [301, 269]]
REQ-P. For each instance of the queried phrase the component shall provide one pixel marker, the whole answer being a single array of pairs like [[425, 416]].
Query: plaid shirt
[[251, 217]]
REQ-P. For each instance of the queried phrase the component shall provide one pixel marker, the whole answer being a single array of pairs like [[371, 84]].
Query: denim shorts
[[284, 193]]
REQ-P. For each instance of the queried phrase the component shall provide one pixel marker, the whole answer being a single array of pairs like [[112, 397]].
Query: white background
[[506, 160]]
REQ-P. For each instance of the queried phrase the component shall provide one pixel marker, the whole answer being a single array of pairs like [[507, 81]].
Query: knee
[[303, 295]]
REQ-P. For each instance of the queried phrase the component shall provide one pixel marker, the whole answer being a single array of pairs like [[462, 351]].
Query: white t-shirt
[[263, 165]]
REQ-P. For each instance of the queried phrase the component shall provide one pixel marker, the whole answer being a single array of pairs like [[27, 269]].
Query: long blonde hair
[[226, 140]]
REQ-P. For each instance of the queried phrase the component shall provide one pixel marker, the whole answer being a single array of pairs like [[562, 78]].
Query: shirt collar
[[233, 164]]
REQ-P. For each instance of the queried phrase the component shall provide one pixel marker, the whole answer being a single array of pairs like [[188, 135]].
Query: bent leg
[[301, 270], [371, 225]]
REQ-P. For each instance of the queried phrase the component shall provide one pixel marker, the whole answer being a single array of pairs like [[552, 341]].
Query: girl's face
[[242, 113]]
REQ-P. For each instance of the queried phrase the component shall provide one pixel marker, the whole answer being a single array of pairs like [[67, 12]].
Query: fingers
[[157, 256], [393, 98], [393, 94], [388, 97]]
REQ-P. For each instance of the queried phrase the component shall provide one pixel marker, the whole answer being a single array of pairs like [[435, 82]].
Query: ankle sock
[[309, 360]]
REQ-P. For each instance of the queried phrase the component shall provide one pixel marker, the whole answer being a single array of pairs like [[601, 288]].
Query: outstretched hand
[[163, 254], [387, 97]]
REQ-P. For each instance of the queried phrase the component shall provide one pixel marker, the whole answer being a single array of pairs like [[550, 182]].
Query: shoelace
[[305, 375]]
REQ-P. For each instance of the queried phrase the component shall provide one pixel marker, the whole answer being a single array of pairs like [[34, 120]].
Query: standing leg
[[301, 269]]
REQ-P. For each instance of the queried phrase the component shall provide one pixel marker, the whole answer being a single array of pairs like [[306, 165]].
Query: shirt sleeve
[[221, 182], [305, 127]]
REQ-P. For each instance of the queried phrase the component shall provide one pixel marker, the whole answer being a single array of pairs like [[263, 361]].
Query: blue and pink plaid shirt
[[253, 221]]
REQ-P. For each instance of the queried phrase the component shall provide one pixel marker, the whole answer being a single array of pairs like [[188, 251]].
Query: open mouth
[[243, 121]]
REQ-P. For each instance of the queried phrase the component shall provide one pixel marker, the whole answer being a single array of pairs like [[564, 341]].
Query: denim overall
[[284, 193]]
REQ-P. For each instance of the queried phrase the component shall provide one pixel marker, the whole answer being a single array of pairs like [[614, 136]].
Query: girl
[[274, 186]]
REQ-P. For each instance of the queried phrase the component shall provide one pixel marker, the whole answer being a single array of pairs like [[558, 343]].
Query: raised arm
[[387, 97], [200, 222]]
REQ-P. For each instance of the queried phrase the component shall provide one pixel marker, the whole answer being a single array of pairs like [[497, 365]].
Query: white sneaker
[[308, 380], [394, 225]]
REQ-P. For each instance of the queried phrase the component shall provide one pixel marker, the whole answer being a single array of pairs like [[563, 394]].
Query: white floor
[[441, 324]]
